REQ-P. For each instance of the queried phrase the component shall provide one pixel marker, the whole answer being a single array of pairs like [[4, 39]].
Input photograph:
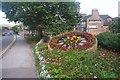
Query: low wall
[[93, 48]]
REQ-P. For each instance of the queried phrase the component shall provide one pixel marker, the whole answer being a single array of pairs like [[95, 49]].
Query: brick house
[[95, 23]]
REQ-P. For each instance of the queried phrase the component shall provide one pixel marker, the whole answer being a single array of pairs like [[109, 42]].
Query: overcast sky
[[4, 20], [109, 7]]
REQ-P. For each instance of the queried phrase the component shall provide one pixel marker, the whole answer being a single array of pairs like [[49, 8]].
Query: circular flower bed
[[72, 40]]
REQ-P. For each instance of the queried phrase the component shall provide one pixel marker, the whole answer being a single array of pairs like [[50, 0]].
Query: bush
[[30, 38], [46, 38], [35, 38], [109, 41]]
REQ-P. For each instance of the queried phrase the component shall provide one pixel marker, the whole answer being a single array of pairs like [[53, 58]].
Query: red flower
[[87, 43], [59, 46], [72, 39], [74, 33], [52, 44], [64, 48]]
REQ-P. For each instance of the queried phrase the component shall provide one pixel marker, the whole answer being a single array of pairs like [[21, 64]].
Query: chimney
[[83, 15], [95, 12]]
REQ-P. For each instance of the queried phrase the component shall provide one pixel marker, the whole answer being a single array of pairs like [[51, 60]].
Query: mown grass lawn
[[73, 64]]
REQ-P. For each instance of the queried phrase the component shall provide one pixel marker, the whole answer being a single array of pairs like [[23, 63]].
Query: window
[[93, 26], [94, 21]]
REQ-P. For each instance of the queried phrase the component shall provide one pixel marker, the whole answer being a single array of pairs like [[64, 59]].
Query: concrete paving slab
[[18, 62]]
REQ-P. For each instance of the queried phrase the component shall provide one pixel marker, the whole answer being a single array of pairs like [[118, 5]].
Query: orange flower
[[50, 71], [47, 62], [43, 62], [79, 75], [54, 63], [57, 58], [66, 57], [66, 60], [68, 38], [78, 58]]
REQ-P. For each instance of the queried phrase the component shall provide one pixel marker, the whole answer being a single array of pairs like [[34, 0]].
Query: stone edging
[[44, 72]]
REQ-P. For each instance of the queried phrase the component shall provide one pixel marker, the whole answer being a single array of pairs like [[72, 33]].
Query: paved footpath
[[18, 62]]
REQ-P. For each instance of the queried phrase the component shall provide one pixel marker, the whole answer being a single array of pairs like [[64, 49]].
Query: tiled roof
[[86, 17], [104, 17]]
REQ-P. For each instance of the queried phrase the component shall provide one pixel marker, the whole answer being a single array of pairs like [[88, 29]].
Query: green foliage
[[115, 26], [54, 17], [30, 38], [46, 38], [42, 47], [73, 64], [16, 28], [109, 41]]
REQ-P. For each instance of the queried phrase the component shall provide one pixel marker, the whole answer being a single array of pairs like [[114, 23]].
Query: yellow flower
[[71, 42], [65, 40], [79, 37], [76, 40], [68, 37], [74, 36]]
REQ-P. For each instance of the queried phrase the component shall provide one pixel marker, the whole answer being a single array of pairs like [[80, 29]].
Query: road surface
[[6, 40]]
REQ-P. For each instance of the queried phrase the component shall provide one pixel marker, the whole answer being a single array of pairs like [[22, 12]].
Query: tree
[[115, 26], [16, 28], [47, 16]]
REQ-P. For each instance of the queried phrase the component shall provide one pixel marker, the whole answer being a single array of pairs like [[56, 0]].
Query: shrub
[[30, 38], [35, 38], [109, 41], [46, 38]]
